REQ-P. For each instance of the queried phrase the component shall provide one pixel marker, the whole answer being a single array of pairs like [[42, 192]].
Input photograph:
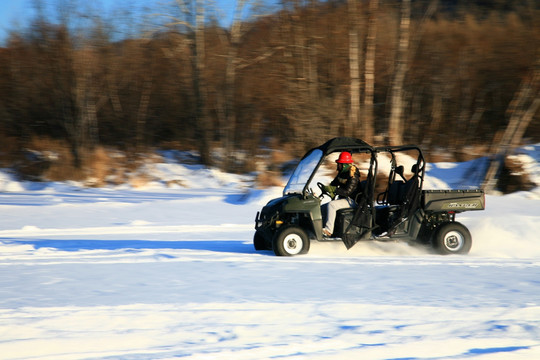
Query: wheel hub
[[293, 244], [453, 240]]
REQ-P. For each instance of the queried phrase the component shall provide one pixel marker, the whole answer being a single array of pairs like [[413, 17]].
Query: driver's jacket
[[347, 183]]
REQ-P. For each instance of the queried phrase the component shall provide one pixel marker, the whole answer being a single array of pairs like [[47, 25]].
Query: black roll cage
[[419, 172], [354, 145]]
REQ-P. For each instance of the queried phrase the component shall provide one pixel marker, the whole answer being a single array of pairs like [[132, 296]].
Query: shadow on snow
[[229, 246]]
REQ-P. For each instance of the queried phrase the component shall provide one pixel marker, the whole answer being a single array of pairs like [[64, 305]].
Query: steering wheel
[[323, 191]]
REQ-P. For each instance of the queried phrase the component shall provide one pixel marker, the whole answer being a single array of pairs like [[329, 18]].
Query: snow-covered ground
[[170, 272]]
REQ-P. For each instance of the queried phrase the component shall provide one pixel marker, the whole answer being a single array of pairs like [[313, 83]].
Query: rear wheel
[[452, 238], [290, 241]]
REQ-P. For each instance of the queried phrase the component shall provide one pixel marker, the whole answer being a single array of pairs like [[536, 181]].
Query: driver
[[345, 186]]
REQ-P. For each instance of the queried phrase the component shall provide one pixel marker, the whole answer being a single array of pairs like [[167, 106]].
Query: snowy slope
[[164, 273]]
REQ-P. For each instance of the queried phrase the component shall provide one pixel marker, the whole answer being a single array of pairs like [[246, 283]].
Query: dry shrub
[[278, 157], [8, 150], [176, 182], [105, 166], [274, 163], [440, 155], [99, 164], [176, 145], [513, 177], [471, 152], [46, 159], [267, 179], [139, 180]]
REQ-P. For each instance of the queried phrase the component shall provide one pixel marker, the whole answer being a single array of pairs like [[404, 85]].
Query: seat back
[[412, 189], [395, 192]]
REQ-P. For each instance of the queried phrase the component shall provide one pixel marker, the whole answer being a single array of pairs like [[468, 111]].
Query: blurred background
[[94, 88]]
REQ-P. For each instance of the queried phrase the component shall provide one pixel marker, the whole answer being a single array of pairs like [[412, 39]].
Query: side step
[[329, 239]]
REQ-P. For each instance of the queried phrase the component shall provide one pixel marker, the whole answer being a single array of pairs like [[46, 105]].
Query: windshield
[[303, 171]]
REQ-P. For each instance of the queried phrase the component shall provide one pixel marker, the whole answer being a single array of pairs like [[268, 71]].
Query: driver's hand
[[330, 190]]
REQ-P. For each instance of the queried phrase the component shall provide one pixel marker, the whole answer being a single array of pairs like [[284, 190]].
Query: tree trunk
[[202, 129], [142, 113], [86, 123], [354, 66], [369, 72], [230, 82], [521, 111], [397, 100], [526, 120]]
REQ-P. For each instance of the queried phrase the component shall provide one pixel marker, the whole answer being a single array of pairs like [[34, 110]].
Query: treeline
[[441, 74]]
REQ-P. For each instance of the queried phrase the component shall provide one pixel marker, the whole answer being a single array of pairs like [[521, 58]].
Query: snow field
[[167, 273]]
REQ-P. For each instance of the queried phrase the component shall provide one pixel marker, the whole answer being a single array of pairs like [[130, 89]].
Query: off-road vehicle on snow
[[398, 210]]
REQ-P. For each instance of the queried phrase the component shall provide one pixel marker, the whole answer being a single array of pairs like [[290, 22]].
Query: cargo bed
[[453, 200]]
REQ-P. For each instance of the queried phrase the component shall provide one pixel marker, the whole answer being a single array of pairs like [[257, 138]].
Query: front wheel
[[259, 241], [452, 238], [290, 241]]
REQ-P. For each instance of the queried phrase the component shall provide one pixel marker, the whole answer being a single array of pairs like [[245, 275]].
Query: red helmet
[[345, 158]]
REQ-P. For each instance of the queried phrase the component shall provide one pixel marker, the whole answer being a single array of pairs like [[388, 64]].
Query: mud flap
[[362, 222], [351, 240], [359, 229]]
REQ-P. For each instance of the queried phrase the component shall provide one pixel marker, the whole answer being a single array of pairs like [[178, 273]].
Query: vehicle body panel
[[453, 200]]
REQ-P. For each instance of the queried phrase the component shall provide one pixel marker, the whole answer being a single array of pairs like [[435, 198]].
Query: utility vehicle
[[391, 206]]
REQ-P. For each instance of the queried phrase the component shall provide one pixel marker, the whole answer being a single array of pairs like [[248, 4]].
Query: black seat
[[394, 193], [407, 198], [411, 195]]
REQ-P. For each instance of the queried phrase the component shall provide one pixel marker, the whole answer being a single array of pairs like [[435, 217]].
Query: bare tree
[[85, 96], [302, 107], [395, 127], [521, 111], [230, 80], [147, 78], [369, 72], [354, 65], [194, 10], [199, 84]]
